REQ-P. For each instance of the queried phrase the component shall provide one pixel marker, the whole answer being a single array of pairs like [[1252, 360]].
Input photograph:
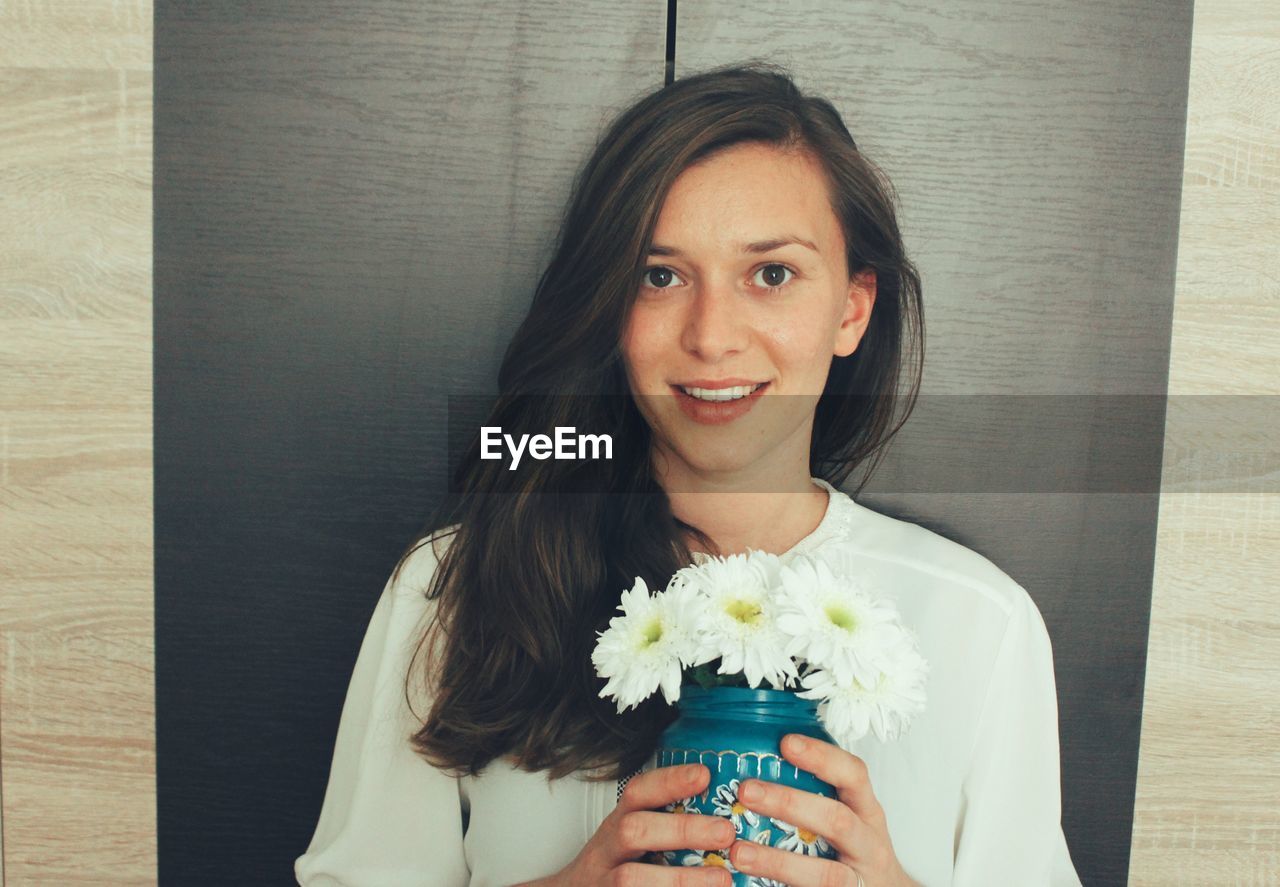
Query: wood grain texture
[[1209, 770], [83, 35], [77, 746]]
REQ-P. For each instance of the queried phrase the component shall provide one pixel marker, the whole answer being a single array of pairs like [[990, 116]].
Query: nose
[[714, 326]]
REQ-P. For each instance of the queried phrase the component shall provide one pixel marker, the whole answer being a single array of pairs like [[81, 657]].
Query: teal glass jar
[[737, 733]]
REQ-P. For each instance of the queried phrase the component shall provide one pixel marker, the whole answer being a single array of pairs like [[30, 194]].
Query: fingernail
[[748, 791], [798, 743], [746, 853]]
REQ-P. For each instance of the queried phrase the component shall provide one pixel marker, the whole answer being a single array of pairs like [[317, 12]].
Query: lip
[[717, 383], [711, 413]]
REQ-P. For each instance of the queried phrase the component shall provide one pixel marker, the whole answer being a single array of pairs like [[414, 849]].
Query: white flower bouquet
[[799, 626]]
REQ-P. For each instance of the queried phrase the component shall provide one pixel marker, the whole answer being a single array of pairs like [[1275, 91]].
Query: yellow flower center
[[679, 808], [738, 809], [747, 612], [806, 836], [714, 859], [652, 633], [841, 617]]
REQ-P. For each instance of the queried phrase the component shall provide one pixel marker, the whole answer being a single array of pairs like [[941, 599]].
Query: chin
[[707, 461]]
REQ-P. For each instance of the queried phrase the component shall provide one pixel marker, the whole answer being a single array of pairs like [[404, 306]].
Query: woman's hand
[[853, 823], [634, 828]]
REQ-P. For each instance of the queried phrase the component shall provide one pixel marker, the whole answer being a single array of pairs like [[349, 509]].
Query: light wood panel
[[76, 728], [1209, 766]]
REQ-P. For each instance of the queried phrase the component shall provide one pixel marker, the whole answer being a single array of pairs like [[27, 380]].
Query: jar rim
[[742, 694]]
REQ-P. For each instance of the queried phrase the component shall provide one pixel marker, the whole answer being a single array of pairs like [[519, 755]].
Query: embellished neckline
[[836, 523]]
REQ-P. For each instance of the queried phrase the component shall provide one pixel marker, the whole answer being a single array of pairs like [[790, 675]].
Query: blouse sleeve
[[1010, 829], [388, 818]]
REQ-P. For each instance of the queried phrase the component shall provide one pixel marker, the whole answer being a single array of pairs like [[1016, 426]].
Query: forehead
[[746, 192]]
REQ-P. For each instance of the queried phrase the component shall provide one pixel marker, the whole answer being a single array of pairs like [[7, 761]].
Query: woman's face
[[746, 286]]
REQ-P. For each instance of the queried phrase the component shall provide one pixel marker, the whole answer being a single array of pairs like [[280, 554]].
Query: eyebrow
[[759, 246]]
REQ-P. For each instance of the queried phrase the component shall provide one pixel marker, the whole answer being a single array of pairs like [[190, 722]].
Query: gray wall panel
[[1037, 148], [1037, 151], [352, 205]]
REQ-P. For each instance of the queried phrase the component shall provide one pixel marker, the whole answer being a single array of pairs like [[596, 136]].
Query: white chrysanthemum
[[886, 705], [833, 622], [738, 619], [646, 647]]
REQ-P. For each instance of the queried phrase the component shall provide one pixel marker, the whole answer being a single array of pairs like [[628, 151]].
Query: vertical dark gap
[[671, 42]]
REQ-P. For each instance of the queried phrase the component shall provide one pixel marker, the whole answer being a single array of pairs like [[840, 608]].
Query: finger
[[810, 820], [642, 830], [642, 875], [653, 789], [846, 772], [790, 868]]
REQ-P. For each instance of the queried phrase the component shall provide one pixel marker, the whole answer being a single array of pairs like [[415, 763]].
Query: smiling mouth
[[720, 395]]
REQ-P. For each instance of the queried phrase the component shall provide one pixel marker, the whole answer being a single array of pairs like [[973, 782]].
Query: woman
[[730, 300]]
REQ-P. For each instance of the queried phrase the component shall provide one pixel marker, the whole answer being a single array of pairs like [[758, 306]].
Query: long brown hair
[[537, 561]]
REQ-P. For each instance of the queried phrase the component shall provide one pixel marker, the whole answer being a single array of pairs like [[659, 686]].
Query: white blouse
[[970, 792]]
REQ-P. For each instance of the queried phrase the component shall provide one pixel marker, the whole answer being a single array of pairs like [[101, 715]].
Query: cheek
[[641, 339], [794, 341], [628, 346], [635, 358], [805, 329]]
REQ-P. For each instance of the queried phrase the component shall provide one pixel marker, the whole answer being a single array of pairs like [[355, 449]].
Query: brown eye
[[659, 277], [774, 276]]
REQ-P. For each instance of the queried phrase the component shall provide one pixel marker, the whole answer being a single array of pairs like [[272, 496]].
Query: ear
[[860, 300]]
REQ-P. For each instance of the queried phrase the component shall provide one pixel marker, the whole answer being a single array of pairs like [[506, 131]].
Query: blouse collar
[[836, 523]]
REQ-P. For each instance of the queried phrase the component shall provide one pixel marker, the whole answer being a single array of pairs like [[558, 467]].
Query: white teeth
[[720, 394]]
